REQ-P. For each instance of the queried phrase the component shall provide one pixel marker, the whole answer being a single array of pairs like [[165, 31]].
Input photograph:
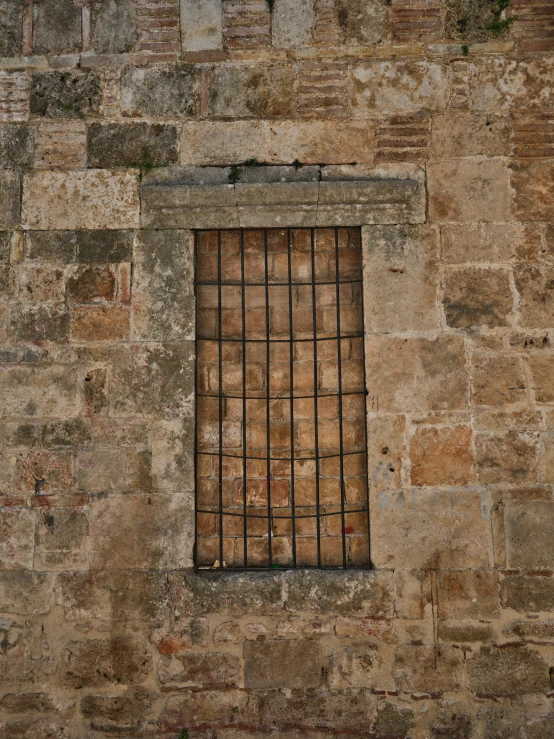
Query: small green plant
[[500, 25], [251, 163], [297, 165], [234, 174], [465, 49], [184, 734]]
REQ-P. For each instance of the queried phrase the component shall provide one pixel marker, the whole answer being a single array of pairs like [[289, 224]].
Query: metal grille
[[281, 469]]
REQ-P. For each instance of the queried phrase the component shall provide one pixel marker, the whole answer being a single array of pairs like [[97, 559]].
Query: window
[[281, 471]]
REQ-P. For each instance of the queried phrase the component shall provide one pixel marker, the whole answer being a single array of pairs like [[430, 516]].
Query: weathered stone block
[[94, 199], [469, 191], [26, 728], [542, 373], [202, 25], [81, 246], [11, 27], [66, 94], [105, 662], [509, 457], [16, 146], [39, 323], [498, 671], [441, 456], [8, 283], [416, 374], [10, 195], [354, 667], [535, 285], [55, 469], [56, 27], [393, 720], [154, 532], [184, 634], [230, 707], [40, 283], [118, 595], [66, 433], [462, 134], [163, 291], [62, 539], [100, 323], [113, 26], [198, 670], [529, 532], [172, 455], [292, 23], [277, 142], [247, 91], [427, 669], [91, 284], [27, 703], [386, 449], [528, 594], [153, 380], [112, 713], [402, 274], [165, 90], [463, 633], [362, 22], [131, 145], [282, 664], [17, 533], [25, 593], [477, 296], [484, 242], [498, 381], [433, 530], [501, 84], [398, 87], [44, 391]]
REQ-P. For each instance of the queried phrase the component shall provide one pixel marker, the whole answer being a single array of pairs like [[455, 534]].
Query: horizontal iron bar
[[217, 512], [280, 397], [283, 568], [281, 459], [235, 283], [279, 341]]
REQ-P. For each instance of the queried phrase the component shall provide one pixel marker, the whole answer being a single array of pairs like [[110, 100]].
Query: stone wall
[[105, 629]]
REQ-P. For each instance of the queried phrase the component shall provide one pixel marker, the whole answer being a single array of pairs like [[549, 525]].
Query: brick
[[246, 91], [407, 375], [94, 199], [60, 145], [509, 457], [141, 531], [402, 271], [165, 90], [62, 539], [11, 31], [477, 296], [133, 144], [56, 27], [200, 670], [162, 286], [441, 456], [404, 87], [113, 26], [468, 191], [276, 142], [18, 531], [246, 25], [65, 94], [498, 381], [14, 96], [427, 669], [403, 138], [202, 25], [499, 671], [321, 90], [100, 323], [42, 322], [449, 541], [158, 28], [528, 525], [101, 662]]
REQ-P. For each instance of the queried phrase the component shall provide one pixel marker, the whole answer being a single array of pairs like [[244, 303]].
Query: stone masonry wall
[[105, 629]]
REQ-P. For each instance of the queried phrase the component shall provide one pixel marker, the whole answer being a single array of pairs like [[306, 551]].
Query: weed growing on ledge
[[184, 734], [234, 174]]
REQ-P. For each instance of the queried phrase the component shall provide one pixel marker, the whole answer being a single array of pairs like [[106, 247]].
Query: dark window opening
[[281, 468]]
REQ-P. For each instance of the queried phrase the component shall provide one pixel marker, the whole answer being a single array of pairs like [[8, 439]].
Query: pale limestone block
[[201, 25], [398, 88], [91, 199], [433, 530], [501, 84], [292, 23], [401, 268]]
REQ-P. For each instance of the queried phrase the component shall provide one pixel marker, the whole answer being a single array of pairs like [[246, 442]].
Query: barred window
[[281, 469]]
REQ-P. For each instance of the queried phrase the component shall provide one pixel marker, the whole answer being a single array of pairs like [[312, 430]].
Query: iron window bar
[[220, 512]]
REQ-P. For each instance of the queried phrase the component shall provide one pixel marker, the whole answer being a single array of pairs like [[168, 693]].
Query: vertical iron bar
[[220, 378], [291, 393], [196, 476], [267, 384], [365, 401], [243, 307], [316, 410], [339, 379]]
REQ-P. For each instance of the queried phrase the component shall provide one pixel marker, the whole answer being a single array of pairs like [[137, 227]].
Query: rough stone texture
[[125, 123]]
